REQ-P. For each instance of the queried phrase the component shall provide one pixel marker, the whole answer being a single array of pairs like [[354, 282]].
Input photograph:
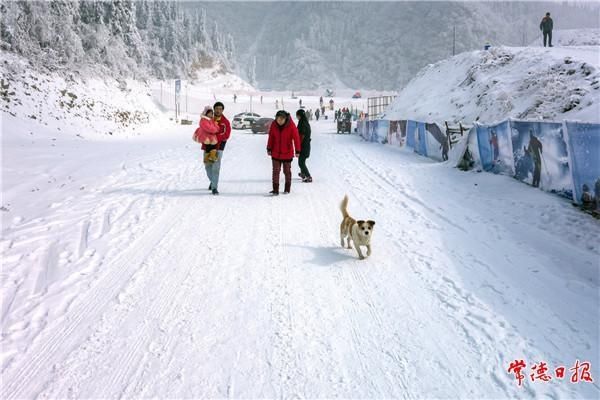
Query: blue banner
[[584, 149], [495, 148], [382, 128], [540, 156], [411, 133], [437, 142], [421, 139]]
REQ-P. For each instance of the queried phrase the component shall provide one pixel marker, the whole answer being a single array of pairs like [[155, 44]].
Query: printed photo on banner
[[421, 139], [585, 164], [411, 133], [373, 131], [540, 156], [382, 129], [437, 142], [495, 148]]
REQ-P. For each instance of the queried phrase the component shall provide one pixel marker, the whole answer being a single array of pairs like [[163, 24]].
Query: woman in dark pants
[[304, 131], [283, 144]]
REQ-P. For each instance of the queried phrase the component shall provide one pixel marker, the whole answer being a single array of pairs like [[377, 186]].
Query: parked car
[[262, 125], [344, 124], [243, 122], [247, 114]]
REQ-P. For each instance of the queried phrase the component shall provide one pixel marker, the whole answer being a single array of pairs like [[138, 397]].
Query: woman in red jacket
[[283, 144]]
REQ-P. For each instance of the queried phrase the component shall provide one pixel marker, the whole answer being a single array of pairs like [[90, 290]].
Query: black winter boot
[[288, 186], [275, 190]]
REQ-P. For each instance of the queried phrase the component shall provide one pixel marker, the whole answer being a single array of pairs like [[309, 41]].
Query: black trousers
[[548, 35], [302, 164]]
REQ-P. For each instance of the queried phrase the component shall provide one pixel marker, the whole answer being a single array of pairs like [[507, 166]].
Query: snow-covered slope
[[71, 104], [519, 82]]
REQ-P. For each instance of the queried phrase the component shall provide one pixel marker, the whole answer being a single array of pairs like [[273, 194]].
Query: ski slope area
[[139, 283]]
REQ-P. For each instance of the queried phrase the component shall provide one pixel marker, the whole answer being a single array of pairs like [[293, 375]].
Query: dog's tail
[[344, 207]]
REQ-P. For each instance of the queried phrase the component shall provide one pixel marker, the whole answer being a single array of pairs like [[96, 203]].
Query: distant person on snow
[[331, 104], [304, 132], [206, 134], [282, 145], [213, 169], [276, 104], [546, 27], [317, 113], [234, 97]]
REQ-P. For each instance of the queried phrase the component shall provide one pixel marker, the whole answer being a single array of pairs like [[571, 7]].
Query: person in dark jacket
[[546, 27], [282, 145], [304, 131]]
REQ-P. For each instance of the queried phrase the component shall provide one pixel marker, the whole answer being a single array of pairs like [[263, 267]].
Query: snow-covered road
[[145, 285]]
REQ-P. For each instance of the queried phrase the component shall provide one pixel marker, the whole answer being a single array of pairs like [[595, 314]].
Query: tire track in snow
[[447, 292], [390, 361], [24, 380]]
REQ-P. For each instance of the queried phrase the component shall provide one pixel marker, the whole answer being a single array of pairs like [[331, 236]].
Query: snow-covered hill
[[518, 82]]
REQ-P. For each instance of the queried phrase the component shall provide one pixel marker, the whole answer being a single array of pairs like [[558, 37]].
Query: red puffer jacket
[[283, 140]]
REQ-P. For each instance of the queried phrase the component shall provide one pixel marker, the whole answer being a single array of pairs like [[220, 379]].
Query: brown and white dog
[[359, 232]]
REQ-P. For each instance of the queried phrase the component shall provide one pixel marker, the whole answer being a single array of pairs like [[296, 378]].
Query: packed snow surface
[[123, 277]]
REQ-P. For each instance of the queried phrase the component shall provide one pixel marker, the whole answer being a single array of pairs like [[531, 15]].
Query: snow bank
[[505, 82], [72, 103]]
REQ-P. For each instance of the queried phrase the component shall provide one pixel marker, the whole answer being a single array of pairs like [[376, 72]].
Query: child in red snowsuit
[[207, 135]]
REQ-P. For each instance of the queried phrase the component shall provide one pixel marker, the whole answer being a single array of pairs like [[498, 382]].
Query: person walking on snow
[[206, 134], [546, 27], [282, 145], [213, 169], [304, 132]]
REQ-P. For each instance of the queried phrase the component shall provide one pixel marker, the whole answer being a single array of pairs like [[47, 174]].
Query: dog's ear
[[371, 223], [360, 222]]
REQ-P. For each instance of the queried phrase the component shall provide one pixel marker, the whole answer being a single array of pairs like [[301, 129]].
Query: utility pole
[[454, 40]]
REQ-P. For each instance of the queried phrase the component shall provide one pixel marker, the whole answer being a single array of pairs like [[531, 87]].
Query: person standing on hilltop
[[546, 27]]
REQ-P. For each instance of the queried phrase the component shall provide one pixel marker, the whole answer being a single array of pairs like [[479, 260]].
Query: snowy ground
[[122, 276]]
